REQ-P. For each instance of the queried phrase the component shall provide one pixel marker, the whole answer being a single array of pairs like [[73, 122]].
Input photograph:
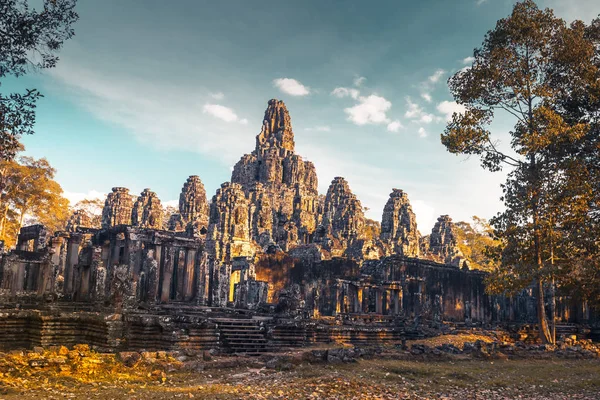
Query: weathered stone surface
[[147, 211], [281, 187], [229, 233], [341, 231], [272, 245], [117, 208], [176, 223], [343, 216], [193, 206], [442, 242], [79, 218], [399, 225], [229, 236]]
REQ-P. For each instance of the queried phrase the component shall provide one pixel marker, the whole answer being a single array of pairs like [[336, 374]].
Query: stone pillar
[[72, 260], [202, 280], [220, 286], [338, 299], [397, 302], [188, 283], [152, 270], [166, 274], [359, 300], [378, 301], [390, 301], [46, 276], [365, 300], [98, 271]]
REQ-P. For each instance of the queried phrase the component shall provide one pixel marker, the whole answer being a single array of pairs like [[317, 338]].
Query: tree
[[30, 191], [474, 240], [92, 209], [29, 40], [522, 72]]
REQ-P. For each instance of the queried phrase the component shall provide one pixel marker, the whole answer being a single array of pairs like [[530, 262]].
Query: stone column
[[397, 304], [72, 260], [154, 276], [390, 302], [166, 275], [190, 263], [202, 280], [365, 300], [337, 297], [378, 301]]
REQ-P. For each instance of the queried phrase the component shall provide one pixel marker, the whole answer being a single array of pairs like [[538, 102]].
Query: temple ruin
[[269, 256]]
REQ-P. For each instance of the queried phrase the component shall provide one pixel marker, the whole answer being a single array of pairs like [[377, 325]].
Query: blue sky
[[150, 92]]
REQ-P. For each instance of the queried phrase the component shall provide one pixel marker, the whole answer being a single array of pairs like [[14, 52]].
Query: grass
[[366, 379]]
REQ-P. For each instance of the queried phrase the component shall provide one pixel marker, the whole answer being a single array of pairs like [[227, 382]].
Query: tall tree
[[30, 191], [519, 73], [29, 40], [474, 240], [92, 209]]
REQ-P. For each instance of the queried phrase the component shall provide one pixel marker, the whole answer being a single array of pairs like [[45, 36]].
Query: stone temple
[[267, 255]]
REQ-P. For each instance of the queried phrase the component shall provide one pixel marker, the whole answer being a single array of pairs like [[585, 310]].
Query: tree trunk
[[3, 218], [545, 334], [539, 263], [21, 218]]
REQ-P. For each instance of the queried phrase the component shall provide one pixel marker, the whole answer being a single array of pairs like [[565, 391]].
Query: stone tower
[[399, 225], [117, 208], [147, 211], [281, 186], [193, 208], [343, 216], [443, 242]]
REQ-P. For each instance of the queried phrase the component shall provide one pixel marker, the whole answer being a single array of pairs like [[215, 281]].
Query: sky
[[149, 92]]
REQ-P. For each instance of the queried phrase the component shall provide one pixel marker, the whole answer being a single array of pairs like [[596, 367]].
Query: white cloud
[[450, 107], [394, 126], [342, 92], [414, 110], [170, 203], [243, 121], [426, 97], [416, 113], [468, 60], [221, 112], [358, 81], [76, 197], [217, 95], [426, 215], [155, 113], [422, 132], [436, 76], [370, 110], [426, 118], [291, 87]]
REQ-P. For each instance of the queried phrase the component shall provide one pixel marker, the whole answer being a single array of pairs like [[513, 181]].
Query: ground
[[365, 379], [59, 373]]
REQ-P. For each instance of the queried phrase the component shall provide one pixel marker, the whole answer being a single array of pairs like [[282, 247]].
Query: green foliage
[[29, 191], [92, 209], [544, 75], [477, 242], [29, 40]]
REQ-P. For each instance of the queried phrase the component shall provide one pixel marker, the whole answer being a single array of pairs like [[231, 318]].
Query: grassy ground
[[366, 379]]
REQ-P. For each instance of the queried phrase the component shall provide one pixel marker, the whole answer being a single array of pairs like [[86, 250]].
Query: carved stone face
[[121, 273]]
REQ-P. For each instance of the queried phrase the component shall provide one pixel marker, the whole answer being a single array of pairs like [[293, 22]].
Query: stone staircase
[[286, 336], [239, 335]]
